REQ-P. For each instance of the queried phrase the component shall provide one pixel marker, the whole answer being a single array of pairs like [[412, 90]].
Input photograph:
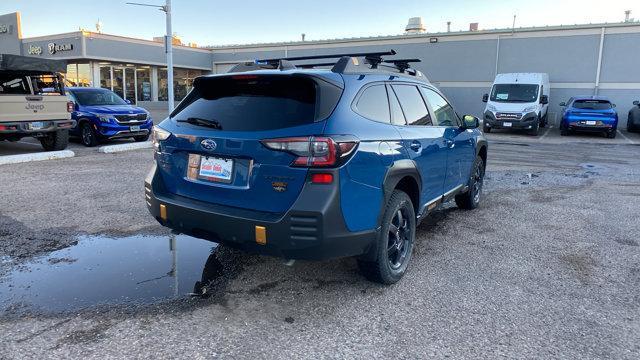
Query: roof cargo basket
[[346, 63]]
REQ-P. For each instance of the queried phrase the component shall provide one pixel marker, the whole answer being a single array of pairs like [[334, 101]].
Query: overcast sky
[[217, 22]]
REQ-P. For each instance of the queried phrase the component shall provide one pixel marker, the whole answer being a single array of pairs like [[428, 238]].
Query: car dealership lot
[[548, 266]]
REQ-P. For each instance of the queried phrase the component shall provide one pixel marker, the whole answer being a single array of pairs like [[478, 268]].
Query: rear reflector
[[261, 235], [163, 212], [322, 178]]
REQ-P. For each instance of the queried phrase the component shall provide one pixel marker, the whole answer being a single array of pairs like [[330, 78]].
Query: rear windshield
[[592, 104], [514, 93], [250, 102]]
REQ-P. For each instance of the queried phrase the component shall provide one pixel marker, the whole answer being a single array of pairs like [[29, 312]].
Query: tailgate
[[15, 108]]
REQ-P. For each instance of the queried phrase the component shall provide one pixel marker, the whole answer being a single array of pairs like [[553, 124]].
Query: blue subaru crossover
[[301, 162], [103, 115], [590, 114]]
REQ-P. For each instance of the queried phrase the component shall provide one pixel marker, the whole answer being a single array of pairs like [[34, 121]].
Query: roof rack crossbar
[[402, 64], [330, 56]]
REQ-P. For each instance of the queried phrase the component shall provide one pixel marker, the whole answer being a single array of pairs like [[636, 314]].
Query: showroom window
[[182, 83]]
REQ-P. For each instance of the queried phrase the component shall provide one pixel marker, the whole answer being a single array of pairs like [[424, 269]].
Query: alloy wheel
[[87, 136], [478, 180], [399, 238]]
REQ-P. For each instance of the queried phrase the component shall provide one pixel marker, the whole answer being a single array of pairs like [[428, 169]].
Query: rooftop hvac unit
[[415, 26]]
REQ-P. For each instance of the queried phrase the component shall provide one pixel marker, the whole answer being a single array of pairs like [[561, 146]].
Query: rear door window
[[373, 103], [413, 106], [250, 102], [442, 110]]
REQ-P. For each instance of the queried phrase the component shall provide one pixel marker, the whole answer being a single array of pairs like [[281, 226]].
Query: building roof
[[429, 35]]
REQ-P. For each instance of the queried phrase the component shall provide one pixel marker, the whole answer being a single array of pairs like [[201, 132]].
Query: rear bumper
[[313, 229], [528, 121], [580, 125], [26, 128]]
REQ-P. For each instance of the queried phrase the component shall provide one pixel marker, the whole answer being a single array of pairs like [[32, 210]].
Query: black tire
[[485, 129], [471, 198], [543, 121], [394, 243], [88, 136], [535, 130], [55, 141], [564, 131], [611, 134], [141, 138]]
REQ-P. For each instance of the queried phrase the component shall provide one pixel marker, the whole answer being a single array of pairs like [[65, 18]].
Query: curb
[[110, 149], [40, 156]]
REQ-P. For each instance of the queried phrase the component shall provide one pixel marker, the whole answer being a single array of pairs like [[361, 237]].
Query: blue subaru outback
[[300, 162]]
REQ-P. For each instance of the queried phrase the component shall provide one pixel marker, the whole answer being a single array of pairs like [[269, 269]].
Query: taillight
[[314, 151], [71, 106]]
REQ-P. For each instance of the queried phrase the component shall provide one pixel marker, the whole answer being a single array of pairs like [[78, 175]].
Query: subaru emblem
[[208, 144]]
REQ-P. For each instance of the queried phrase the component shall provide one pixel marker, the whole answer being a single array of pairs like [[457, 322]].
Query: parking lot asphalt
[[547, 267]]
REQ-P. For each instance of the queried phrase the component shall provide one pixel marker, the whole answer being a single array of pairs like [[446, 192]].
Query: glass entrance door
[[118, 81], [130, 84]]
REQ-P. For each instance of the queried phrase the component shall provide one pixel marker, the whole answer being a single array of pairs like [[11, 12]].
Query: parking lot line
[[546, 132], [625, 137]]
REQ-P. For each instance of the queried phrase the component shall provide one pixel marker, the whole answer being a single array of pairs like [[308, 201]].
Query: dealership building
[[580, 60], [133, 68]]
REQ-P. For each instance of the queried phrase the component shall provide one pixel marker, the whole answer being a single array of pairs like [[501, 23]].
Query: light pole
[[168, 42]]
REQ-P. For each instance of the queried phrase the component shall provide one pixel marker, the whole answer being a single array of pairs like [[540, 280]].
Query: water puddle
[[101, 270]]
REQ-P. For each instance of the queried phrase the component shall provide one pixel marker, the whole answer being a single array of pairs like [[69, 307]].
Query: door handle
[[450, 143], [416, 146]]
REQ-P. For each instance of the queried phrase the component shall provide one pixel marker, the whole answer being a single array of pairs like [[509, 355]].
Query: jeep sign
[[34, 50], [54, 48]]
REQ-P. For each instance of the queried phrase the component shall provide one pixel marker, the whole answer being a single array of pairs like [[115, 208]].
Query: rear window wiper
[[202, 122]]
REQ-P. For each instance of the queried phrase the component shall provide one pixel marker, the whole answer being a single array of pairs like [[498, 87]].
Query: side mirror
[[636, 103], [470, 122], [485, 97], [563, 104], [128, 101], [544, 99]]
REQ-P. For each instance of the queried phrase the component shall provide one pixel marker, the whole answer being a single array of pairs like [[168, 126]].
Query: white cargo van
[[517, 101]]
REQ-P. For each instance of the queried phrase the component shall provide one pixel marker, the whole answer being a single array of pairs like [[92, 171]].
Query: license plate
[[36, 125], [135, 128], [507, 124], [216, 169], [590, 122]]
